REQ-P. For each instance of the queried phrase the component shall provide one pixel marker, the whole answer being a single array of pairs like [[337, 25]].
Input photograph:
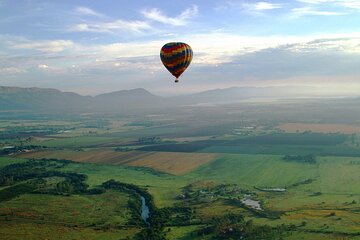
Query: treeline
[[134, 204], [311, 159], [149, 140], [16, 190], [158, 219], [231, 226], [33, 172], [17, 149]]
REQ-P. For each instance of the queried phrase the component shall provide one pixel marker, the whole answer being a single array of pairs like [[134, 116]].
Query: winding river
[[145, 212]]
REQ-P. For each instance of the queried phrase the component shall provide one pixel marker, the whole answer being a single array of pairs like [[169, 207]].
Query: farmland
[[33, 216], [198, 175], [321, 128], [171, 162]]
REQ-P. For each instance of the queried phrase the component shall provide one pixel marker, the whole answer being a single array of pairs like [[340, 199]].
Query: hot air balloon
[[176, 57]]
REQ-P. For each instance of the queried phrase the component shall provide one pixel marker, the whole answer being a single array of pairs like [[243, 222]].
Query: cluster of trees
[[311, 159], [149, 140], [40, 169], [231, 226], [306, 181], [123, 149], [17, 149], [141, 124], [16, 190], [21, 171], [159, 218], [74, 183]]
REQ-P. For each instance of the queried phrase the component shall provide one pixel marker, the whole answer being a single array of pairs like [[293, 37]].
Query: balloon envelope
[[176, 57]]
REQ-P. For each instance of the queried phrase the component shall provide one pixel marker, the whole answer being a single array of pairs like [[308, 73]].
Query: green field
[[321, 199], [8, 160], [76, 142], [255, 170], [66, 217]]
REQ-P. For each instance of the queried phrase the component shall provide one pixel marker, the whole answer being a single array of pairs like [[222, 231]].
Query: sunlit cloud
[[11, 70], [262, 6], [353, 4], [45, 46], [43, 66], [157, 15], [308, 11], [256, 8], [111, 27], [88, 11]]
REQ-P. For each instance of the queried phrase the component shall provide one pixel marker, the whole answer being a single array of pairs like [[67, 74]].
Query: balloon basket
[[176, 80]]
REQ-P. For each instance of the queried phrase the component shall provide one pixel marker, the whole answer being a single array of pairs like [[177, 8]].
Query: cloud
[[11, 70], [355, 4], [316, 1], [43, 66], [88, 11], [308, 11], [217, 55], [112, 27], [352, 4], [262, 6], [255, 8], [343, 45], [45, 46], [158, 16], [288, 62]]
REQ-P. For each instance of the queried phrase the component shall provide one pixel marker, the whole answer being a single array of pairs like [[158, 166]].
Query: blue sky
[[98, 46]]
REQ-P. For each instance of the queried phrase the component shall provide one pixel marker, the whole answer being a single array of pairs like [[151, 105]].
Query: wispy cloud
[[316, 1], [225, 55], [157, 15], [352, 4], [88, 11], [44, 46], [43, 66], [306, 11], [251, 7], [262, 6], [112, 27], [11, 70]]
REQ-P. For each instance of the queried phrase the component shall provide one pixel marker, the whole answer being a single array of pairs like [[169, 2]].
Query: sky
[[98, 46]]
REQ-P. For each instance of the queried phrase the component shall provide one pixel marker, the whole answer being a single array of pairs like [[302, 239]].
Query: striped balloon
[[176, 57]]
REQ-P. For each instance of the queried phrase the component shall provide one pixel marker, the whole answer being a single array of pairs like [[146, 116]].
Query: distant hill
[[135, 98], [39, 99], [235, 94], [14, 98]]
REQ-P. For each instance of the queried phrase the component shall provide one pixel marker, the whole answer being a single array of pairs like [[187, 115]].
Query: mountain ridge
[[17, 98]]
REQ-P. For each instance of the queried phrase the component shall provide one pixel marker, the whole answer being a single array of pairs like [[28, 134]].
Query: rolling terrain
[[275, 169]]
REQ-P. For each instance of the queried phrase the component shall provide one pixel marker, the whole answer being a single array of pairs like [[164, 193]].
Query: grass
[[108, 209], [76, 142], [337, 150], [10, 230], [338, 176], [66, 217], [8, 160], [255, 170], [320, 128], [164, 187], [334, 188], [184, 233]]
